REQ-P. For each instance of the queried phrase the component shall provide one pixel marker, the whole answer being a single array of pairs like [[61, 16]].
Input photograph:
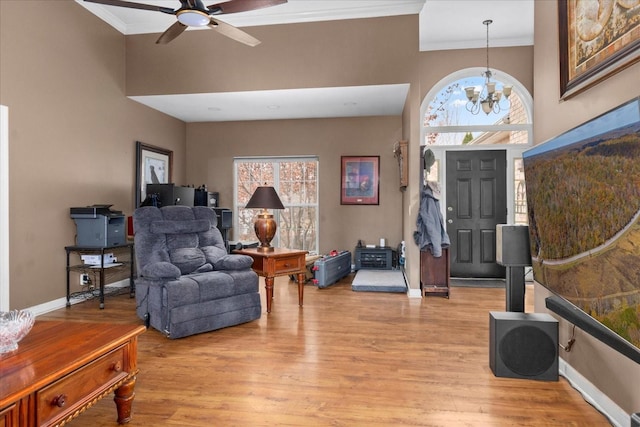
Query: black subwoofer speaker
[[523, 345]]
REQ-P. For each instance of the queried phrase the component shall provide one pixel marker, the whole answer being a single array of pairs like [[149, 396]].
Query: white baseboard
[[411, 293], [616, 416], [59, 303], [414, 293]]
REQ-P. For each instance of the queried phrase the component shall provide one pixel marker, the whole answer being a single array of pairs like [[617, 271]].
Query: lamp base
[[265, 228]]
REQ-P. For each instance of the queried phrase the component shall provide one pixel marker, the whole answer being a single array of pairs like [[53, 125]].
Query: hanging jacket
[[431, 234]]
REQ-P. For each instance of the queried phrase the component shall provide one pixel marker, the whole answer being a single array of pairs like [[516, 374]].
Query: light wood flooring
[[345, 359]]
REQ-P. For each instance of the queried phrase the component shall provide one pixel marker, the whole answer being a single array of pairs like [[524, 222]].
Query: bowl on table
[[14, 325]]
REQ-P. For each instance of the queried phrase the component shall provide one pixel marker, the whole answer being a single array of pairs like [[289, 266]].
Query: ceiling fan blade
[[235, 6], [132, 5], [171, 33], [233, 32]]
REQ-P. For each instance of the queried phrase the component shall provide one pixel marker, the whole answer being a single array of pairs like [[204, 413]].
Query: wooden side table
[[279, 262]]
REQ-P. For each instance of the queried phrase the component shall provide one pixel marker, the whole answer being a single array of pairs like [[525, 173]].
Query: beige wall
[[411, 123], [615, 375], [72, 134], [515, 61], [211, 148], [316, 54]]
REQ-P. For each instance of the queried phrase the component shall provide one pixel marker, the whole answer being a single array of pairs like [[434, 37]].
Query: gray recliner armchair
[[187, 282]]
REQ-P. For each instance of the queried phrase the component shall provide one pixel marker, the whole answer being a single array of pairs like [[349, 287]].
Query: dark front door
[[476, 202]]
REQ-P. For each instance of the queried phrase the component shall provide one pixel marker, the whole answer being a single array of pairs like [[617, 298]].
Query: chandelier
[[488, 98]]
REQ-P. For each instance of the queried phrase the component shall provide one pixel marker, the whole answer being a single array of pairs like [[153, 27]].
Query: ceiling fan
[[193, 13]]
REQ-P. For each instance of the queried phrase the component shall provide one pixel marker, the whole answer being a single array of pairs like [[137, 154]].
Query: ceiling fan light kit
[[193, 18], [193, 13]]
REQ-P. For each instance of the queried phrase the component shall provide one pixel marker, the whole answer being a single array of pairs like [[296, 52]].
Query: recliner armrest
[[160, 270], [233, 262]]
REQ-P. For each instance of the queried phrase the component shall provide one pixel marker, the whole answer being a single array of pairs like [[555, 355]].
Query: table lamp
[[265, 226]]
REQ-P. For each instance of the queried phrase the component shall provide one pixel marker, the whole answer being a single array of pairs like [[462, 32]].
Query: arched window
[[447, 119]]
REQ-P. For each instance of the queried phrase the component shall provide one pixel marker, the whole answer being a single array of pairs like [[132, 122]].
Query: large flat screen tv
[[583, 197]]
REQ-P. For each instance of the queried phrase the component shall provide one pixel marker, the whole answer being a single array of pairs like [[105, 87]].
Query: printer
[[99, 226]]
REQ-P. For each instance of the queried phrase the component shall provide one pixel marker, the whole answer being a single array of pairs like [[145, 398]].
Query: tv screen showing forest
[[583, 197]]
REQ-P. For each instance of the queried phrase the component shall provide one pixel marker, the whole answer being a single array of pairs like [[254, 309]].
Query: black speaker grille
[[527, 351]]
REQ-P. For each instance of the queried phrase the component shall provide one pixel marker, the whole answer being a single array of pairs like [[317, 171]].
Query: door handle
[[450, 221], [450, 208]]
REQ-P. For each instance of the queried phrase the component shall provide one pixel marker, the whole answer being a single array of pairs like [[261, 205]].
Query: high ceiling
[[444, 24]]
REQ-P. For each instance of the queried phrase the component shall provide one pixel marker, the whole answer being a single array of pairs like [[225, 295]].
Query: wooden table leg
[[301, 279], [268, 285], [124, 399]]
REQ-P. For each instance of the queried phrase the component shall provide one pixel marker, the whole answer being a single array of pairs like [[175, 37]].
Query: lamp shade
[[265, 197]]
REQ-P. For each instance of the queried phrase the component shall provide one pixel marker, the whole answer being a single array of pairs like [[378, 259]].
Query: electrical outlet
[[84, 279]]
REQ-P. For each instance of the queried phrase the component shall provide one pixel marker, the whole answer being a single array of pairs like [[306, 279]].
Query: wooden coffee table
[[62, 368], [279, 262]]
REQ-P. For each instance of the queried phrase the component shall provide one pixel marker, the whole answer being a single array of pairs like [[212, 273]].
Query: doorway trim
[[4, 208]]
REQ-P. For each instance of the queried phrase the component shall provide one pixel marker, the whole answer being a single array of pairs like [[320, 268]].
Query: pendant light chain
[[487, 23]]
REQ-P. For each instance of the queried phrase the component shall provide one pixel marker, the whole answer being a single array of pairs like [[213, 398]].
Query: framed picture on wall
[[360, 180], [597, 39], [153, 166]]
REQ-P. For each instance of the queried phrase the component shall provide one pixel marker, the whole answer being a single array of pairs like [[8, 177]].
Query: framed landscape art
[[360, 180], [597, 39]]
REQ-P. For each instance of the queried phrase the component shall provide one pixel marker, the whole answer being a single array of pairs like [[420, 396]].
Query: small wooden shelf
[[434, 273]]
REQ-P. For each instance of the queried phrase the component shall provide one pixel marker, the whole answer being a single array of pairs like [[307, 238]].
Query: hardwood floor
[[345, 359]]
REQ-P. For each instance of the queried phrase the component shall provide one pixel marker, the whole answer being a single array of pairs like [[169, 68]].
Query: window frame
[[276, 160]]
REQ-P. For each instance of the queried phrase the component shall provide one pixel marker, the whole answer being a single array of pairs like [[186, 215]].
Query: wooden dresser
[[62, 368]]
